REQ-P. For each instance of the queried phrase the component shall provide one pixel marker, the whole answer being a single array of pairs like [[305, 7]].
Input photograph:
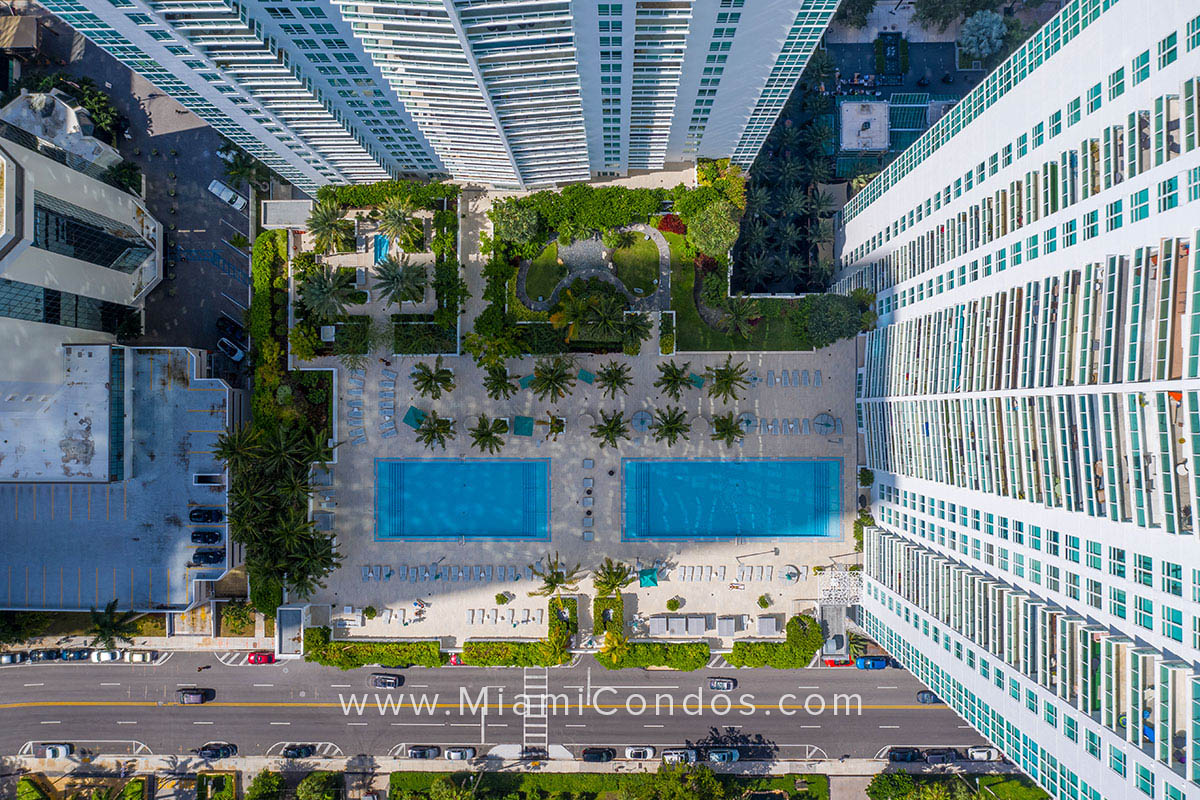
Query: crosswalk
[[535, 724], [719, 662]]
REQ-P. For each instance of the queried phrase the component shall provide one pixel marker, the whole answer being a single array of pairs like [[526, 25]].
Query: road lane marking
[[264, 685], [110, 684], [201, 723], [281, 723], [418, 685], [574, 726], [339, 686], [360, 723], [887, 687], [810, 726], [462, 724], [52, 722], [653, 726], [808, 687], [34, 684], [127, 722], [497, 724], [889, 726], [420, 724]]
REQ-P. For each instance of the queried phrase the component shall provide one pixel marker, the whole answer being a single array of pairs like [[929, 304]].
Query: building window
[[1116, 602], [75, 232], [1193, 188], [1112, 215], [1143, 612], [1145, 780], [1091, 224], [1094, 597], [1071, 728], [1116, 760], [1143, 569], [1055, 124], [1139, 69], [1168, 50], [1139, 205], [1116, 83], [1093, 98], [1073, 112], [1172, 578], [1091, 742], [1168, 193], [1050, 712], [1172, 623], [1193, 33]]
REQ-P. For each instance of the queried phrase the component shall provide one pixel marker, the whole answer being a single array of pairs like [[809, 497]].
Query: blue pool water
[[717, 499], [475, 498], [381, 247]]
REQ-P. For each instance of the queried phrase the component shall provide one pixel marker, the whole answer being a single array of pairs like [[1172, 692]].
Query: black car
[[206, 515], [904, 754], [49, 654], [206, 537], [598, 755], [927, 697], [231, 330], [942, 755], [79, 654], [534, 752], [217, 750], [383, 680], [424, 751], [209, 557], [299, 751]]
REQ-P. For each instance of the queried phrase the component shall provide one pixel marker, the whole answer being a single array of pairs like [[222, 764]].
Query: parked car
[[871, 662], [13, 658], [639, 753], [722, 684], [598, 755], [139, 656], [206, 515], [77, 654], [192, 696], [983, 754], [55, 750], [383, 680], [723, 755], [531, 753], [904, 754], [460, 753], [298, 751], [837, 661], [208, 557], [105, 656], [260, 657], [230, 349], [227, 195], [679, 756], [941, 755], [206, 537], [46, 654], [231, 331], [927, 697], [217, 750], [424, 751]]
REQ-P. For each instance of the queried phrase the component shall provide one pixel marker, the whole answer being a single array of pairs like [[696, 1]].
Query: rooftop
[[864, 124], [58, 119]]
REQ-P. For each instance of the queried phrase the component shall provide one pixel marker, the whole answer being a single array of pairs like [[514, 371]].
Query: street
[[127, 709]]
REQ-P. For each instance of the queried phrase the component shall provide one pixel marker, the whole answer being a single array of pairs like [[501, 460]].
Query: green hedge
[[29, 789], [548, 652], [593, 785], [615, 604], [266, 592], [418, 194], [803, 640], [684, 656], [216, 786], [319, 649], [134, 790], [522, 312]]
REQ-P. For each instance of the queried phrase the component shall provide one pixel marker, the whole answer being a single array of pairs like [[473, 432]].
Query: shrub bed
[[803, 640], [416, 193], [683, 656], [320, 649], [616, 605]]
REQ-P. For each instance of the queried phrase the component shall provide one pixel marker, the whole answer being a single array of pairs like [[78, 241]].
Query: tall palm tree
[[241, 167], [432, 381], [312, 447], [615, 239], [326, 291], [395, 219], [796, 203], [397, 280], [568, 232], [606, 316], [498, 384], [110, 626], [487, 434], [572, 312], [758, 197], [815, 135], [239, 447], [611, 429], [754, 235], [726, 429], [435, 430], [822, 204], [790, 171], [673, 379], [553, 425], [556, 577], [787, 237], [553, 378], [280, 449], [740, 313], [727, 379], [612, 576], [614, 377], [753, 267], [635, 329], [816, 170], [670, 424], [328, 226]]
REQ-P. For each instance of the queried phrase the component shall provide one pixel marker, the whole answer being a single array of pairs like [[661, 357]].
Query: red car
[[837, 662], [261, 658]]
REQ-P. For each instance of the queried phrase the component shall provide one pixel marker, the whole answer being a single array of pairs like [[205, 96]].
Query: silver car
[[679, 756], [644, 753], [460, 753]]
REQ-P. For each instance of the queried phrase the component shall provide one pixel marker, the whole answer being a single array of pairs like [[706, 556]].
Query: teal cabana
[[647, 577], [414, 417], [696, 380], [525, 382], [587, 377], [522, 426]]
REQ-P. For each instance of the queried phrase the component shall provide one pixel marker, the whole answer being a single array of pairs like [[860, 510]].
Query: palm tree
[[790, 171], [816, 170], [431, 382], [753, 268], [821, 233], [241, 167], [614, 377], [109, 626], [606, 315], [435, 429], [740, 313], [326, 291], [553, 378], [312, 447], [754, 235], [395, 219], [726, 429], [328, 227], [727, 379], [790, 138], [635, 329], [815, 135], [280, 449], [486, 435], [572, 312], [796, 203], [553, 425], [498, 384], [239, 447], [611, 429], [673, 379], [568, 232], [611, 576], [788, 236], [857, 645], [398, 280], [615, 239], [795, 268], [757, 198], [670, 423], [822, 204], [555, 577]]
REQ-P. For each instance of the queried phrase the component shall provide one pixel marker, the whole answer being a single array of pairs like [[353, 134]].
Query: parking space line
[[107, 499]]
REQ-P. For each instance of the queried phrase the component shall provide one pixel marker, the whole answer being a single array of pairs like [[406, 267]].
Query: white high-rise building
[[1030, 402], [509, 94]]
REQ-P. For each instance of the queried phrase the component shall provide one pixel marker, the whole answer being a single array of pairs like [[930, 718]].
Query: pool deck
[[350, 503]]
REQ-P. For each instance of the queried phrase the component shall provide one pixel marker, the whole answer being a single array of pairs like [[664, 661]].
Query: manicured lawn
[[1013, 787], [527, 786], [151, 625], [637, 266], [773, 331], [216, 786], [544, 273]]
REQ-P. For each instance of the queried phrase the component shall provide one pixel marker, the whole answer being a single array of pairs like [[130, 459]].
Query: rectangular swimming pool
[[474, 498], [719, 499]]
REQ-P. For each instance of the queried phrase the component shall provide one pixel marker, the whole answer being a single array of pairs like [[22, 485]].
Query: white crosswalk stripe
[[233, 659], [719, 662], [535, 725]]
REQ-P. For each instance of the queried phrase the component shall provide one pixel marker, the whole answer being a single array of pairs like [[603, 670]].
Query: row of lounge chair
[[504, 616], [796, 378], [484, 573], [745, 572]]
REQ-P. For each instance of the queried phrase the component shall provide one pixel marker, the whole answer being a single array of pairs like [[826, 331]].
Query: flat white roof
[[864, 124]]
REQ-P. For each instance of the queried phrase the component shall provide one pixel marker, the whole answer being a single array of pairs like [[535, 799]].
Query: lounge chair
[[762, 426], [588, 483], [804, 428], [708, 573], [355, 382], [720, 576], [787, 427], [775, 427], [387, 395], [354, 403], [493, 615], [480, 616], [355, 391], [386, 616], [588, 463], [587, 522], [487, 572], [389, 373], [770, 573], [387, 384], [470, 616], [413, 574], [817, 378], [783, 378], [389, 433], [359, 440], [403, 573], [387, 405], [400, 617], [770, 377], [741, 572], [528, 572], [358, 373], [758, 573], [377, 572], [424, 572], [355, 413], [804, 378], [366, 573], [525, 618], [454, 574], [541, 616], [837, 425], [588, 502], [510, 616]]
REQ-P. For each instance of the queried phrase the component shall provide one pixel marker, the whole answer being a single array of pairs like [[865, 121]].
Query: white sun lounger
[[366, 573], [399, 618], [708, 573], [541, 615], [470, 616], [358, 373], [721, 573], [389, 433], [817, 378], [758, 573], [493, 615], [510, 616], [355, 391], [741, 572], [387, 384], [354, 403], [770, 377], [480, 616], [387, 395], [413, 574], [837, 425], [525, 618], [770, 573]]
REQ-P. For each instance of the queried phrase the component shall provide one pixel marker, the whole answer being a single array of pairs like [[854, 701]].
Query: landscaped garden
[[544, 273], [637, 265]]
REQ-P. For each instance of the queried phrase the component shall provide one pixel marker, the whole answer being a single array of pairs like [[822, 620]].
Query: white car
[[105, 656], [62, 750], [680, 756], [231, 350], [983, 754], [227, 195], [639, 753], [139, 656], [460, 753]]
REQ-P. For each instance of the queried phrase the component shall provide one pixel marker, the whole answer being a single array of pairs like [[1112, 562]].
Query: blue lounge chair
[[770, 377], [783, 378], [804, 428], [389, 373], [817, 378], [804, 378], [796, 378]]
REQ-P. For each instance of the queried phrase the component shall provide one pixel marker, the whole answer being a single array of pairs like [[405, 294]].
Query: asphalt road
[[121, 708]]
